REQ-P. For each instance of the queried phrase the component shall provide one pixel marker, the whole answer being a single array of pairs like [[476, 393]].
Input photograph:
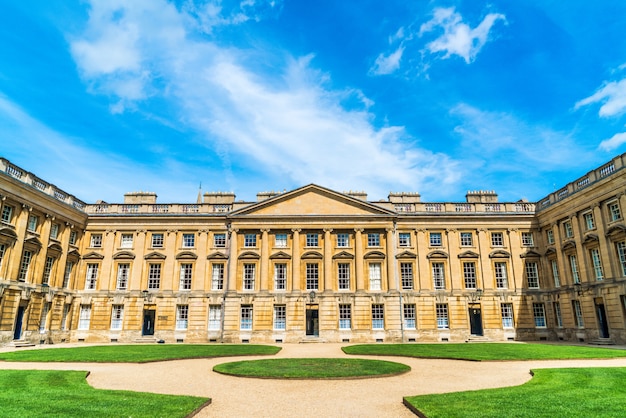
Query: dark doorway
[[17, 334], [602, 321], [312, 320], [148, 322], [476, 321]]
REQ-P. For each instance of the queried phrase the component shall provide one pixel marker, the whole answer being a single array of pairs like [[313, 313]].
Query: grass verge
[[137, 353], [311, 368], [485, 351], [588, 392], [54, 393]]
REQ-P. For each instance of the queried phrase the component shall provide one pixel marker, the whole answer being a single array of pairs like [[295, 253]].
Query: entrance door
[[476, 321], [17, 334], [148, 322], [602, 321], [312, 321]]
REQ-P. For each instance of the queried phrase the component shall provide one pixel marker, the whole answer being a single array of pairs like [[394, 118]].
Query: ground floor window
[[507, 315], [409, 316], [578, 314], [557, 314], [44, 317], [66, 312], [539, 313], [246, 317], [215, 317], [117, 316], [345, 316], [378, 316], [84, 317], [442, 316], [182, 316], [280, 317]]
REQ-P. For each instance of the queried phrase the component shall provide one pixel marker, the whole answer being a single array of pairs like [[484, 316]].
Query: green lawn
[[485, 351], [312, 368], [137, 353], [589, 392], [53, 393]]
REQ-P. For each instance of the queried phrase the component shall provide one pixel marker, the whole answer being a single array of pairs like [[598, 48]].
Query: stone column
[[295, 260], [358, 259], [391, 260], [264, 259], [232, 261], [328, 260]]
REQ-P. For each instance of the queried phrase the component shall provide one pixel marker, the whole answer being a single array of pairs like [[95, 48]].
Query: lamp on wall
[[312, 296], [45, 288], [146, 295]]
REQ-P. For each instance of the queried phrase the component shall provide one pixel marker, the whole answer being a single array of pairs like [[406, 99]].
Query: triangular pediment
[[499, 254], [468, 254], [154, 256], [343, 255], [312, 200], [123, 255], [217, 256], [406, 254], [93, 256], [281, 255]]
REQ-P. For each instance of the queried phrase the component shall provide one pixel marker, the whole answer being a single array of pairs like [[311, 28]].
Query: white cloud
[[288, 122], [612, 94], [387, 64], [614, 142], [458, 38]]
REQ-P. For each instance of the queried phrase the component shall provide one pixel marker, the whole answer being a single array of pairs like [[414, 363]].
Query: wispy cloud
[[613, 97], [387, 64], [614, 142], [288, 122]]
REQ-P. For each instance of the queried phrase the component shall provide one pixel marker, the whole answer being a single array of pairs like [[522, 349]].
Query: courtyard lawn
[[54, 393], [486, 351], [137, 353], [589, 392], [312, 368]]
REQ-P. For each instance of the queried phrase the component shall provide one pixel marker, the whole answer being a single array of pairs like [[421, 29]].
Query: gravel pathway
[[245, 397]]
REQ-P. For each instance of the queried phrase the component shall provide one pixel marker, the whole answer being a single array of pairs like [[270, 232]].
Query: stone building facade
[[313, 264]]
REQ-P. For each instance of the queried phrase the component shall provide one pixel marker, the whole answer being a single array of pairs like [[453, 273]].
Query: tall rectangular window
[[555, 273], [469, 274], [43, 320], [597, 263], [73, 237], [126, 241], [249, 240], [375, 276], [409, 316], [84, 317], [378, 316], [507, 315], [217, 276], [567, 228], [343, 240], [249, 275], [621, 254], [574, 265], [219, 240], [589, 222], [441, 310], [189, 240], [550, 236], [92, 276], [406, 273], [312, 240], [280, 276], [246, 317], [24, 265], [578, 314], [345, 316], [539, 313], [435, 239], [64, 316], [215, 317], [614, 212], [182, 317], [280, 240], [7, 214], [497, 239], [439, 280], [54, 231], [117, 317], [122, 276], [186, 273], [343, 275], [280, 317], [47, 270], [466, 239], [154, 276], [312, 276], [373, 240], [404, 239], [527, 239], [32, 223], [500, 272], [532, 275], [68, 273], [2, 250], [157, 240], [557, 314], [96, 240]]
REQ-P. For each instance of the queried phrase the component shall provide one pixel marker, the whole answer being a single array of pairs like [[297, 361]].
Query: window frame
[[188, 240], [466, 239], [312, 275], [343, 240], [280, 240], [312, 240], [7, 214], [246, 317], [406, 275], [215, 318], [409, 316], [435, 239], [126, 240], [250, 240], [117, 317], [404, 239], [157, 240], [528, 239], [84, 317], [500, 274], [375, 270], [437, 269], [123, 274], [280, 276], [469, 275], [345, 316], [186, 276], [182, 317], [95, 240], [539, 315], [497, 239], [217, 276], [91, 276], [249, 276], [589, 221], [280, 317], [596, 263], [343, 276], [506, 312], [531, 268], [154, 276], [378, 316], [615, 214], [219, 240], [442, 315], [373, 239]]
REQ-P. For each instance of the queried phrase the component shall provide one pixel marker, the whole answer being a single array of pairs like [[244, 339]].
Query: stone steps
[[602, 341]]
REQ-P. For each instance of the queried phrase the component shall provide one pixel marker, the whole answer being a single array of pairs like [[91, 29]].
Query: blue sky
[[437, 97]]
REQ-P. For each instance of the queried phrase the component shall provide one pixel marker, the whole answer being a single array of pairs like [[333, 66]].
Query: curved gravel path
[[247, 397]]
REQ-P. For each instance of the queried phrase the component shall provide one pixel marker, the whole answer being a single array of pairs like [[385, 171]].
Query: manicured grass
[[485, 351], [54, 393], [138, 353], [589, 392], [311, 368]]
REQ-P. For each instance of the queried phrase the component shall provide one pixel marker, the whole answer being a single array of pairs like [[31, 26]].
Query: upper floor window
[[96, 240], [127, 241], [47, 269], [219, 240], [343, 274], [281, 240], [312, 276], [435, 239], [500, 273], [589, 222], [469, 274], [7, 214], [466, 239], [373, 240], [404, 239], [550, 236], [73, 237], [406, 274], [567, 228], [527, 239], [532, 275], [189, 240], [280, 276], [439, 280], [375, 276], [574, 266], [312, 240], [497, 239], [122, 276], [249, 240], [154, 276], [54, 231], [597, 263], [217, 277], [614, 212], [32, 223], [157, 240], [92, 276], [343, 240], [186, 273], [249, 274]]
